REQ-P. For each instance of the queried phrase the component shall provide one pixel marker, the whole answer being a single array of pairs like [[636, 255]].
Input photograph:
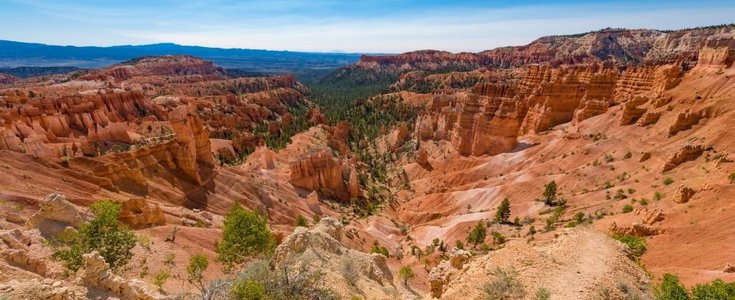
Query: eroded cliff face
[[488, 118]]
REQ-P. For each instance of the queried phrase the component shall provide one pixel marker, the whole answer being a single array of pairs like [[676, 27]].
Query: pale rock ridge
[[55, 215], [319, 249], [97, 274], [442, 274]]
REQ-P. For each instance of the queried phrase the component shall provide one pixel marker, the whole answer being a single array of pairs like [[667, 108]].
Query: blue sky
[[339, 25]]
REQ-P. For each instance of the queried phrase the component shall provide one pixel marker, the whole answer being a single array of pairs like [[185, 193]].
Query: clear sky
[[388, 26]]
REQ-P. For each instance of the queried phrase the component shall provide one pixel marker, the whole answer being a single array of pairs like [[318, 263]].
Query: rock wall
[[320, 170]]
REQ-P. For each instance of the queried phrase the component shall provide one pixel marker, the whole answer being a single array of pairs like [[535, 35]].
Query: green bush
[[245, 234], [161, 278], [247, 290], [505, 286], [627, 208], [406, 274], [671, 288], [543, 294], [459, 245], [715, 290], [731, 177], [668, 181], [377, 248], [259, 281], [195, 270], [103, 234], [636, 245], [503, 213], [498, 238], [300, 221], [477, 235], [550, 190]]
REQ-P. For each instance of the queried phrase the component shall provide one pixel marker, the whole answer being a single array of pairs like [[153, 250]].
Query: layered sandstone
[[321, 171]]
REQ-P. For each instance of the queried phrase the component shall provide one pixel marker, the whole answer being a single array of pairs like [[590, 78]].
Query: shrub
[[259, 281], [627, 208], [658, 195], [377, 248], [579, 217], [477, 235], [628, 155], [505, 286], [300, 221], [551, 220], [459, 245], [644, 201], [161, 278], [503, 213], [543, 294], [498, 238], [668, 181], [406, 274], [620, 195], [717, 289], [671, 289], [245, 234], [103, 234], [550, 190], [349, 272], [731, 177], [247, 290], [195, 270], [636, 245]]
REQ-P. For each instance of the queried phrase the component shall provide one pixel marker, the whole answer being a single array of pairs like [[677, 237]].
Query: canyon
[[632, 126]]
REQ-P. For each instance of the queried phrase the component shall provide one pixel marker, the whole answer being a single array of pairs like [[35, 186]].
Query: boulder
[[443, 273], [684, 194], [686, 152], [55, 215]]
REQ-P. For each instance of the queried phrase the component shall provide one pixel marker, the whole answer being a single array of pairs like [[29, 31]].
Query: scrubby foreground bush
[[103, 234]]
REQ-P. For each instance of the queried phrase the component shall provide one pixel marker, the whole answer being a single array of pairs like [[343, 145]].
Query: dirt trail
[[579, 264]]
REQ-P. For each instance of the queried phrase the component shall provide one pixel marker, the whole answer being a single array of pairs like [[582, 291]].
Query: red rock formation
[[685, 120], [686, 153], [683, 194], [475, 125], [630, 112], [320, 170], [648, 118], [588, 109]]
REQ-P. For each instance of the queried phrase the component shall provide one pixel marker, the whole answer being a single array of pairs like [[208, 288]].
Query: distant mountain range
[[19, 54]]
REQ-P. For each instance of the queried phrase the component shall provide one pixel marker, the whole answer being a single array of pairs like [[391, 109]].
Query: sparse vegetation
[[731, 177], [543, 294], [504, 286], [477, 235], [350, 272], [406, 274], [104, 234], [668, 181], [161, 277], [195, 270], [636, 245], [658, 195], [498, 238], [627, 208], [259, 281], [377, 248], [300, 221]]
